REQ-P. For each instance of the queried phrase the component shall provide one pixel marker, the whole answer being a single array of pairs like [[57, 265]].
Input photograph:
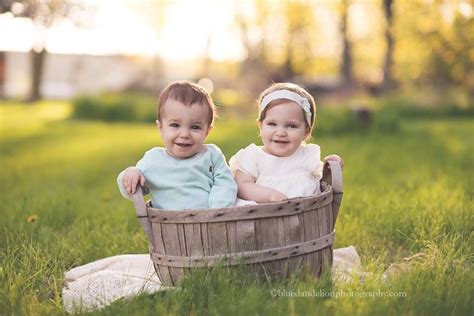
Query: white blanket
[[99, 283]]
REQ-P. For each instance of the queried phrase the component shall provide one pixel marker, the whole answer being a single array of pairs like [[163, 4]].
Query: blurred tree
[[452, 55], [153, 13], [300, 36], [435, 43], [388, 81], [251, 22], [345, 70], [43, 13], [279, 39]]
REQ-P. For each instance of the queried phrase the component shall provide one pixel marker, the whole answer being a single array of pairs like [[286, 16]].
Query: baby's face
[[283, 129], [183, 128]]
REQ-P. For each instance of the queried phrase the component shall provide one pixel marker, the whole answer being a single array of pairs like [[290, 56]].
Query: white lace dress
[[295, 175]]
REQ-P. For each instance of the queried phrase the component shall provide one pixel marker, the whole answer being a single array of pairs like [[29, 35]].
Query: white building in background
[[67, 75]]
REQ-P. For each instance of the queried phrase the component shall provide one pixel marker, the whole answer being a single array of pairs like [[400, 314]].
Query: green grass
[[405, 193]]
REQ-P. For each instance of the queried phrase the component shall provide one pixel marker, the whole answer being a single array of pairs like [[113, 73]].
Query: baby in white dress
[[284, 167]]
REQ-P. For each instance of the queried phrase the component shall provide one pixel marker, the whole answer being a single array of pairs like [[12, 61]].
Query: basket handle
[[332, 174], [142, 214]]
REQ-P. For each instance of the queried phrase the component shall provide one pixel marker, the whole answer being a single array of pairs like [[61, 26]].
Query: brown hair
[[187, 93], [291, 87]]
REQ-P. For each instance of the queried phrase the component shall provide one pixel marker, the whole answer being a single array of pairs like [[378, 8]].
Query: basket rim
[[292, 206]]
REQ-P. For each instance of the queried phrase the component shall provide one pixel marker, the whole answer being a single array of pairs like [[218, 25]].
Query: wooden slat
[[331, 219], [182, 240], [304, 259], [322, 215], [172, 247], [295, 236], [193, 240], [217, 234], [289, 207], [231, 237], [205, 239], [259, 268], [249, 257], [258, 235], [245, 236], [269, 239], [331, 224], [283, 240], [163, 272], [329, 228], [336, 204], [312, 232]]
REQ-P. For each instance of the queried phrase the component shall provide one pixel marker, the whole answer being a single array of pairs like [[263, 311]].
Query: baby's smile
[[183, 145]]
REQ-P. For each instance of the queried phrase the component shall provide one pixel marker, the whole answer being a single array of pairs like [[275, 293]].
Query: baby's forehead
[[195, 112], [176, 106]]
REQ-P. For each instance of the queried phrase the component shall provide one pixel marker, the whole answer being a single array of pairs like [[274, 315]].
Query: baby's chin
[[183, 152]]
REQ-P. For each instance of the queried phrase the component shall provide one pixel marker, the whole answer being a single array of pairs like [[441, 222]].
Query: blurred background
[[394, 85], [416, 53]]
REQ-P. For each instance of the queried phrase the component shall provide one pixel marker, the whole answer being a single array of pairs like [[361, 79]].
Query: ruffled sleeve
[[314, 163], [245, 160]]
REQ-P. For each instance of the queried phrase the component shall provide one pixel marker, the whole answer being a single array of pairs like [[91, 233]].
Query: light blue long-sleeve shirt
[[201, 181]]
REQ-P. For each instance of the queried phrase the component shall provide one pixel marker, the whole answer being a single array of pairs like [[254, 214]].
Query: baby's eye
[[196, 127], [292, 125], [174, 125], [271, 124]]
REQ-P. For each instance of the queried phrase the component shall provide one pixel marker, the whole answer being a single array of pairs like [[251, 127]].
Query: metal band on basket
[[247, 256]]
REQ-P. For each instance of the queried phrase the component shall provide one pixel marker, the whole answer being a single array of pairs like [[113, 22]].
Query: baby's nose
[[281, 131], [184, 133]]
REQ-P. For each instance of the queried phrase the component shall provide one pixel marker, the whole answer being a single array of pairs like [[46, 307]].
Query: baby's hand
[[131, 178], [334, 158], [277, 196]]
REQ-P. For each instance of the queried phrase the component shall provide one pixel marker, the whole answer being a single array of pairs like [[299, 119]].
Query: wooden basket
[[274, 238]]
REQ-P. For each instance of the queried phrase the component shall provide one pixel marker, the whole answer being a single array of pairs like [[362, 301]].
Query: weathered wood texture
[[275, 239]]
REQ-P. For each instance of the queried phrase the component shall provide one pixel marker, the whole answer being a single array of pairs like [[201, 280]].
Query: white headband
[[289, 95]]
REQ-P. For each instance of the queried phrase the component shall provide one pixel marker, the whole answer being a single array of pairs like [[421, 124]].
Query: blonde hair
[[187, 93], [291, 87]]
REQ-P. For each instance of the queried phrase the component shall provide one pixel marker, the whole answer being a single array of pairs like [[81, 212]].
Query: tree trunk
[[388, 82], [37, 62], [2, 74], [346, 65]]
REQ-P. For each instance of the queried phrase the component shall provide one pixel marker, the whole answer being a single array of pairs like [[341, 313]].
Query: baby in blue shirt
[[186, 173]]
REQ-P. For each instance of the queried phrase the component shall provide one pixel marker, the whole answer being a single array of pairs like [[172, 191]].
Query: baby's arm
[[129, 179], [224, 189], [249, 190]]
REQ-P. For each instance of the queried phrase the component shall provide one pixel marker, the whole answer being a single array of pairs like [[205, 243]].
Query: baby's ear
[[158, 124]]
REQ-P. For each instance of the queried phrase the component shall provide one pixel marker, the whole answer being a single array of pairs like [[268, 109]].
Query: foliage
[[434, 43], [406, 193], [115, 107], [383, 115]]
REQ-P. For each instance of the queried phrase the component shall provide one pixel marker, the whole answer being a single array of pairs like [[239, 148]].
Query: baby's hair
[[291, 87], [187, 93]]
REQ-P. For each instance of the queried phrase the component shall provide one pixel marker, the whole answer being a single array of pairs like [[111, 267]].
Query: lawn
[[408, 192]]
